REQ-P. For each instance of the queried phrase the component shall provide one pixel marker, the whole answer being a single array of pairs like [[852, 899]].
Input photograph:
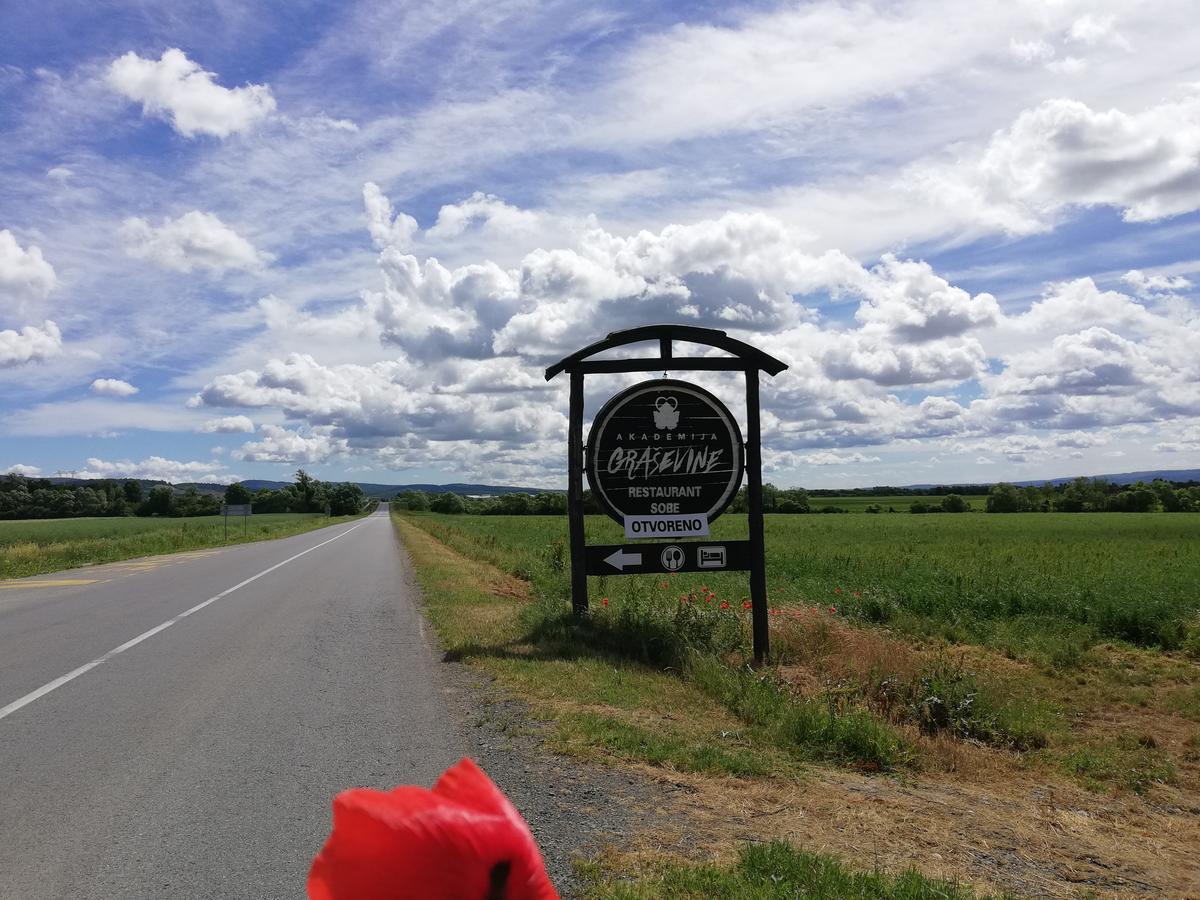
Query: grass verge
[[772, 870], [50, 545], [621, 688], [989, 750]]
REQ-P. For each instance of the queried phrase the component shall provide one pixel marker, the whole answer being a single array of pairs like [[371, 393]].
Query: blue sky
[[236, 239]]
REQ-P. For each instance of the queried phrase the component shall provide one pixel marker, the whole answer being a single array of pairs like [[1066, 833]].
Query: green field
[[1037, 585], [856, 504], [35, 546]]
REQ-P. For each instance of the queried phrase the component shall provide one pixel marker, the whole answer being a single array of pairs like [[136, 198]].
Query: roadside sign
[[664, 459], [686, 556], [236, 509]]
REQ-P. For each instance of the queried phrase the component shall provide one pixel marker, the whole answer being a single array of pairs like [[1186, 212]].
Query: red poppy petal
[[442, 844]]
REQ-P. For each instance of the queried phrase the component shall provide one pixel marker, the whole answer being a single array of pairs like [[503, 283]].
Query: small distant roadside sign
[[236, 509]]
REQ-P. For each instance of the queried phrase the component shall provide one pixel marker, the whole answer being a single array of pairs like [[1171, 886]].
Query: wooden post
[[579, 598], [758, 559]]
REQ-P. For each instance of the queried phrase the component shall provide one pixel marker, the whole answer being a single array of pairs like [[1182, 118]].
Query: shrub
[[1006, 498], [448, 503], [828, 728], [954, 503], [1190, 644], [948, 699]]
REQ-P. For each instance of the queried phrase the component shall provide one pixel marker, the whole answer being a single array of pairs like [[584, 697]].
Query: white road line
[[87, 667]]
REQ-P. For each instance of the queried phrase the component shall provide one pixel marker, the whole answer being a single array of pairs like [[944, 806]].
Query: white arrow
[[621, 559]]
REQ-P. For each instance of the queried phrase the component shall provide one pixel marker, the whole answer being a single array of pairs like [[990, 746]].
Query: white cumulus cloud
[[25, 275], [20, 469], [387, 228], [113, 387], [283, 445], [1064, 153], [913, 303], [194, 240], [175, 88], [228, 425], [1148, 284], [31, 344]]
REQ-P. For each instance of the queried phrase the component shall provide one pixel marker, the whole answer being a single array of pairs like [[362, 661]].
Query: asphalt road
[[201, 760]]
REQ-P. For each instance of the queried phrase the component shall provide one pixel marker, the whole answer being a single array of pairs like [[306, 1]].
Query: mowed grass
[[34, 547], [1040, 586]]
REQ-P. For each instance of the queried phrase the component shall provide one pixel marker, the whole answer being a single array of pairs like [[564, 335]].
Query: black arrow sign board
[[684, 556]]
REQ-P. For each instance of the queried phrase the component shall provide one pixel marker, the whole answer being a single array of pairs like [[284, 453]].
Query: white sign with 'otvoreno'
[[666, 526]]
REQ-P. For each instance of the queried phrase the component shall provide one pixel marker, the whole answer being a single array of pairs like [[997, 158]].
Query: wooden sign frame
[[743, 358]]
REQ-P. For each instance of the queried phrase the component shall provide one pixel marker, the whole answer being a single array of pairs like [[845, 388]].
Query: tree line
[[546, 503], [305, 494], [1096, 495], [1080, 495], [550, 503], [39, 498]]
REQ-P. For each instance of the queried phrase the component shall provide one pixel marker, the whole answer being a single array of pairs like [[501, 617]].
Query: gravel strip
[[574, 808]]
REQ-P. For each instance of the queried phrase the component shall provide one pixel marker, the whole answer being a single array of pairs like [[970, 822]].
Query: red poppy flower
[[833, 609], [462, 840], [858, 593], [724, 604], [746, 604], [837, 590], [604, 601]]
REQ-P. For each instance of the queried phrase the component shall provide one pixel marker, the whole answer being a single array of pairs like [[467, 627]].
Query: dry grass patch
[[1029, 836]]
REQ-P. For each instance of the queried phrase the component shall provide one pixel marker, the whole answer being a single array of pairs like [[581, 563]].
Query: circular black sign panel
[[664, 448]]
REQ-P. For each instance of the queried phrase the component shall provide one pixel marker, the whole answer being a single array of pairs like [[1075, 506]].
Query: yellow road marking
[[59, 582]]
